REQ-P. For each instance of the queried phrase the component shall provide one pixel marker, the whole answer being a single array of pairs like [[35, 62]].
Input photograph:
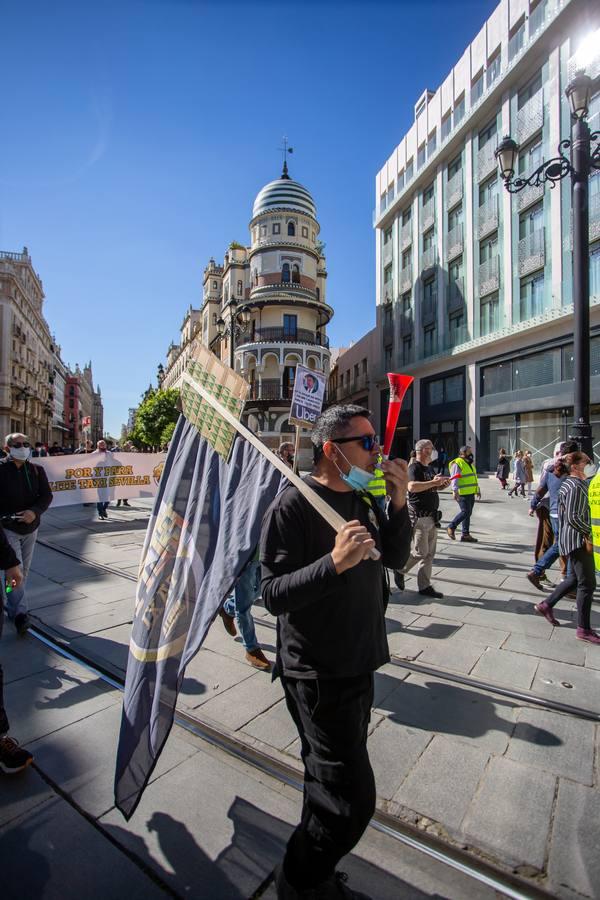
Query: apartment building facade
[[474, 285]]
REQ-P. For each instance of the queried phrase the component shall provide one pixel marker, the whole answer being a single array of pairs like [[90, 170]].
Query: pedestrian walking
[[465, 487], [575, 542], [442, 460], [124, 502], [423, 509], [24, 496], [503, 468], [528, 466], [39, 450], [102, 505], [237, 610], [285, 452], [376, 486], [552, 478], [518, 475], [13, 758], [329, 597]]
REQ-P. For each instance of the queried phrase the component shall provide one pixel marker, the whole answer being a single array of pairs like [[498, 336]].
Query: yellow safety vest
[[594, 501], [376, 486], [467, 482]]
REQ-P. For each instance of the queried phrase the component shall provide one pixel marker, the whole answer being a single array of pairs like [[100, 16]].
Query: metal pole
[[581, 431]]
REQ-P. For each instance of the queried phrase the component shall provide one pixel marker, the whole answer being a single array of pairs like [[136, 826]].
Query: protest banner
[[100, 476]]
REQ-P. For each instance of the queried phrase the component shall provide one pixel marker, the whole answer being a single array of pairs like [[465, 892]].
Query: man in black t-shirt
[[423, 505], [329, 598]]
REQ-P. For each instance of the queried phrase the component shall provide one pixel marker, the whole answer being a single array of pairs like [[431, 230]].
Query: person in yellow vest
[[594, 501], [465, 488], [376, 487]]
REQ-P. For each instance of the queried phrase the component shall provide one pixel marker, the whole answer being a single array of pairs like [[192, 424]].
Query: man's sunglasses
[[368, 441], [20, 444]]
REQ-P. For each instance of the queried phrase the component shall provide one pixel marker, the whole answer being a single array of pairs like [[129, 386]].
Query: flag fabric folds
[[203, 530]]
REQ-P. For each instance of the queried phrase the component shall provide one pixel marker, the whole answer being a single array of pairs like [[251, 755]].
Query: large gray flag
[[203, 530]]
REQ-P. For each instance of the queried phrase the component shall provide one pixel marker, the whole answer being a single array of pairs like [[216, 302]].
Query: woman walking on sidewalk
[[574, 541], [528, 465], [503, 468], [519, 475]]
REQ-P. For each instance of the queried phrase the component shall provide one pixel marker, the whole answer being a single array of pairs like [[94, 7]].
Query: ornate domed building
[[264, 309]]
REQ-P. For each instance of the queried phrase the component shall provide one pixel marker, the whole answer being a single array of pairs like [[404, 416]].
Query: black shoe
[[534, 579], [22, 623], [431, 592], [12, 757], [399, 579], [125, 503], [467, 539]]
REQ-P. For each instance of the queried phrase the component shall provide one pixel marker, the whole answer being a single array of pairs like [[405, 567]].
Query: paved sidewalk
[[518, 784]]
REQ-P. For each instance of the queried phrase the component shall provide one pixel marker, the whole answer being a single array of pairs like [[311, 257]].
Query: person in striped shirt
[[574, 542]]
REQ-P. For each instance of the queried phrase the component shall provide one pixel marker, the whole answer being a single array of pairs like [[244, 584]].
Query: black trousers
[[332, 718], [3, 716], [583, 577]]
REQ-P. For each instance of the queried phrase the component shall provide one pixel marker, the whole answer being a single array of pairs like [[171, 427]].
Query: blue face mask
[[358, 479]]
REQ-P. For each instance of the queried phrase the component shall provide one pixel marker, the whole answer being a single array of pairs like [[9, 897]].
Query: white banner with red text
[[97, 477]]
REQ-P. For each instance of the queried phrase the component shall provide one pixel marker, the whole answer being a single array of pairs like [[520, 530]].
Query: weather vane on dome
[[285, 150]]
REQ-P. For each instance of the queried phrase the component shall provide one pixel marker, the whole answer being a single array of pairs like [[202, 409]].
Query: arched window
[[285, 273], [296, 274], [291, 229]]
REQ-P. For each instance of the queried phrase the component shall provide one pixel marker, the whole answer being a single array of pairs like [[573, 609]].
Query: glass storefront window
[[435, 392], [454, 388], [539, 368], [496, 379]]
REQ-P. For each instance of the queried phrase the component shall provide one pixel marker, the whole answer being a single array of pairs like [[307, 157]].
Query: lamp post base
[[582, 433]]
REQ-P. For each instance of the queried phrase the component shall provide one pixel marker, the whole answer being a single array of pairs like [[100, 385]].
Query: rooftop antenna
[[285, 150]]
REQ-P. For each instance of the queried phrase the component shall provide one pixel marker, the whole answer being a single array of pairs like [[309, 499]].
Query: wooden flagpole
[[332, 517]]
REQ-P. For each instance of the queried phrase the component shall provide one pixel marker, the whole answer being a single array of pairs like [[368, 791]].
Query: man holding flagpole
[[329, 595]]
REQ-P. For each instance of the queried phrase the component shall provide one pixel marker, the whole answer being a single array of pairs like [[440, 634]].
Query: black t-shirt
[[328, 625], [424, 503]]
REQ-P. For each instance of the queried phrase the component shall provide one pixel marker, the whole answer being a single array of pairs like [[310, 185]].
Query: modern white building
[[474, 285]]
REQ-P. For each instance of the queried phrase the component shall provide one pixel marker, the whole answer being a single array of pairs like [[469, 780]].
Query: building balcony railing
[[486, 161], [530, 118], [487, 217], [455, 336], [454, 242], [406, 279], [489, 276], [516, 43], [269, 389], [454, 190], [529, 196], [387, 253], [532, 254], [428, 214], [283, 335], [456, 295], [407, 322], [428, 259], [406, 235]]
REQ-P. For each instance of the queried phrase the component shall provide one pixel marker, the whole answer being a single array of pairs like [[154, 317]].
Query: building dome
[[284, 194]]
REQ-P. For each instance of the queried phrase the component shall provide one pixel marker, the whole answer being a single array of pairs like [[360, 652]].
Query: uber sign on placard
[[307, 398]]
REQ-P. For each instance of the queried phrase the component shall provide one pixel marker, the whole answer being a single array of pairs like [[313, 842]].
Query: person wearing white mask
[[24, 496]]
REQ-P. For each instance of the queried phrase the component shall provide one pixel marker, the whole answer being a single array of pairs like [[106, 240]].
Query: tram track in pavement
[[520, 697], [466, 862]]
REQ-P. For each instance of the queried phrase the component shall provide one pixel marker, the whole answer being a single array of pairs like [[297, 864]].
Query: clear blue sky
[[137, 134]]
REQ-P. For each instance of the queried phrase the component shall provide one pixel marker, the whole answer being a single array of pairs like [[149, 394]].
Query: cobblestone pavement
[[516, 783]]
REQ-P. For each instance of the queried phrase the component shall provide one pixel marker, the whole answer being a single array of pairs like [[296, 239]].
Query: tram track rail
[[519, 696], [465, 861]]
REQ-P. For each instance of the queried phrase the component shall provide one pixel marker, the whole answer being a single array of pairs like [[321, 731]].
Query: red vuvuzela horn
[[399, 384]]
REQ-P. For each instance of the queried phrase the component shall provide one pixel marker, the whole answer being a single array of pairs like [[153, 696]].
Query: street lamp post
[[578, 168], [238, 320], [24, 394]]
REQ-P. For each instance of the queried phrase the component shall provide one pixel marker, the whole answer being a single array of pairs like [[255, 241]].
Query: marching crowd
[[329, 592]]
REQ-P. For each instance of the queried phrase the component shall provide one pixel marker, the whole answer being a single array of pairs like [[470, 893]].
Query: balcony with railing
[[456, 295], [388, 253], [454, 242], [406, 235], [516, 43], [454, 190], [428, 259], [428, 214], [283, 335], [388, 332], [532, 252], [486, 161], [269, 389], [429, 310], [530, 118], [406, 279], [489, 276], [529, 195], [455, 336], [487, 220]]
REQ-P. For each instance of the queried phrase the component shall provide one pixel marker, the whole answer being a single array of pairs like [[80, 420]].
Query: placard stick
[[332, 517], [296, 448]]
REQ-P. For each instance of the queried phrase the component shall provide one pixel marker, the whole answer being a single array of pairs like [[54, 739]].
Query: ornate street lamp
[[578, 167], [237, 321]]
